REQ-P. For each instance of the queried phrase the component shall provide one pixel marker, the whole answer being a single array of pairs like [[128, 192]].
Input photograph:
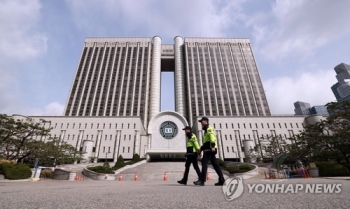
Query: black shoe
[[220, 183], [199, 182], [182, 182]]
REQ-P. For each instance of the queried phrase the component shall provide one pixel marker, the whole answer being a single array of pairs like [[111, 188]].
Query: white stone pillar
[[180, 96], [154, 104]]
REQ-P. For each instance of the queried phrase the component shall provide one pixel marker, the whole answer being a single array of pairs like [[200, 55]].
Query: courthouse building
[[114, 104]]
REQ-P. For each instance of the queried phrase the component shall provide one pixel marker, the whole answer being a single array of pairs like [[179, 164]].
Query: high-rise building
[[223, 78], [113, 78], [301, 108], [341, 89], [114, 104], [122, 76], [319, 110]]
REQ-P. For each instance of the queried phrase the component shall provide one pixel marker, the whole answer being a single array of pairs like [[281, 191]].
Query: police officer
[[209, 149], [191, 154]]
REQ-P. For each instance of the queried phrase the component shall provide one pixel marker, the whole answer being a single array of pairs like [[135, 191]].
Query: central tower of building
[[122, 77]]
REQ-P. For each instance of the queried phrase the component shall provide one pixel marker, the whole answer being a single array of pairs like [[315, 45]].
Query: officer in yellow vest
[[209, 149], [191, 154]]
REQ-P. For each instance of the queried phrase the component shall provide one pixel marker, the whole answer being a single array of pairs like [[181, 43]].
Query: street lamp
[[106, 158]]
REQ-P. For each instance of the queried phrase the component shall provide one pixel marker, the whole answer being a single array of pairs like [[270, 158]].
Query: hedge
[[241, 168], [119, 164], [327, 169], [15, 171], [101, 169]]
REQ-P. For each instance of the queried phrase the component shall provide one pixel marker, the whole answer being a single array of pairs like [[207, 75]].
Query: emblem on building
[[168, 129]]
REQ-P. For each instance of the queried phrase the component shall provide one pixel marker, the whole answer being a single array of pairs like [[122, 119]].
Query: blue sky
[[296, 43]]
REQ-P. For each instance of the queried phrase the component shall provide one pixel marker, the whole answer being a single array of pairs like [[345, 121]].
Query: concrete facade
[[110, 137]]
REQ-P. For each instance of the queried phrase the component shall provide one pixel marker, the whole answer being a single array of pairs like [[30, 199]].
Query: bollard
[[120, 177], [165, 177], [136, 177], [208, 178]]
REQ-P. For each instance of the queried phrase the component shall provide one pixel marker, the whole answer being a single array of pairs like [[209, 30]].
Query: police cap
[[204, 118]]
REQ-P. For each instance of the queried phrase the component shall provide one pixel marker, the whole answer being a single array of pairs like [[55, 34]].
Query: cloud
[[311, 87], [18, 38], [299, 27], [152, 17], [53, 108], [20, 43]]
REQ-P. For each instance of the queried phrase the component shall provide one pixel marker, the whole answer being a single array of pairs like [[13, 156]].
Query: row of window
[[109, 149], [256, 125], [103, 126]]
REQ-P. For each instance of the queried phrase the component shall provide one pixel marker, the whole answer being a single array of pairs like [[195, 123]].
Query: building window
[[297, 125], [228, 150], [124, 137], [129, 137], [231, 137], [233, 150], [109, 149], [226, 137], [104, 149], [105, 137], [110, 138], [128, 149], [250, 125], [226, 126], [262, 125], [123, 149], [291, 125]]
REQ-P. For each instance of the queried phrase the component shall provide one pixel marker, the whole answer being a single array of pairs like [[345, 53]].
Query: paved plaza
[[159, 194]]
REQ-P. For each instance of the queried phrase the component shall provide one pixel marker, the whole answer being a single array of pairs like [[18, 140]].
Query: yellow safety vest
[[209, 138], [192, 144]]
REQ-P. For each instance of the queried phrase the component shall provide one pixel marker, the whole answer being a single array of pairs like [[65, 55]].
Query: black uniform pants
[[210, 156], [191, 159]]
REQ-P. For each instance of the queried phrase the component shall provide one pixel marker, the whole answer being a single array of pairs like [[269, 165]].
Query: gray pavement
[[156, 170], [159, 194]]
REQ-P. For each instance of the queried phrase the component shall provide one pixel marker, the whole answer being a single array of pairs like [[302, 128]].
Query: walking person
[[191, 154], [209, 149]]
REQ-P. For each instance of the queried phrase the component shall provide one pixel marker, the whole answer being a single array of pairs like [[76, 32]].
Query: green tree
[[327, 140], [18, 139], [56, 152]]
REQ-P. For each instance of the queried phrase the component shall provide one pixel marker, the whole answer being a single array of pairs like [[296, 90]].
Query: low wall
[[98, 176], [60, 174], [130, 166]]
